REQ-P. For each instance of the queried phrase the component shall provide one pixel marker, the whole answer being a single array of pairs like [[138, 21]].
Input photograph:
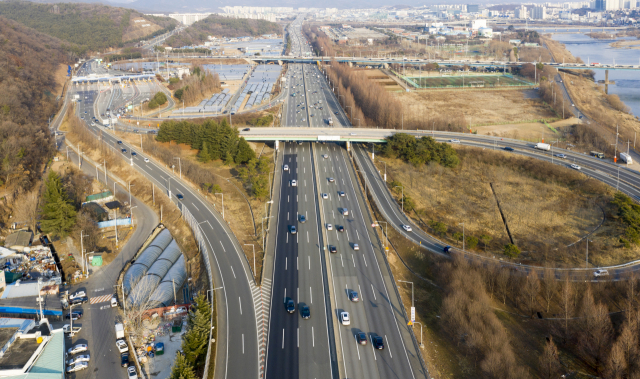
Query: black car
[[76, 316], [378, 343], [79, 300], [353, 296], [340, 228], [124, 360], [305, 312], [332, 249], [507, 148], [447, 249], [119, 142], [361, 338], [133, 154], [290, 306], [179, 196], [124, 151]]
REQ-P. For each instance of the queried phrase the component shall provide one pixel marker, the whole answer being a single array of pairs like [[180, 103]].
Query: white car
[[407, 228], [294, 183], [454, 140], [67, 329], [575, 167], [286, 167], [77, 367], [325, 196], [79, 348], [79, 358], [77, 295], [325, 156], [181, 310], [329, 227], [146, 160], [131, 371], [600, 273], [356, 247], [561, 156], [344, 318], [331, 180], [122, 346]]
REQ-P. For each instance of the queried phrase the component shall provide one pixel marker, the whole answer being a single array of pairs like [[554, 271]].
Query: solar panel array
[[228, 72], [259, 86]]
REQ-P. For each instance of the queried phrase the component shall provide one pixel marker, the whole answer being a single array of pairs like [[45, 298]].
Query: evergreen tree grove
[[58, 215], [182, 369]]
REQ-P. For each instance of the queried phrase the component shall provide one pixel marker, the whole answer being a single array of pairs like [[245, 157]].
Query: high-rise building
[[539, 13], [521, 12], [473, 8]]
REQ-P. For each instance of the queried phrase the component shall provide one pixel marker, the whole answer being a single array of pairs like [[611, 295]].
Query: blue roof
[[50, 364]]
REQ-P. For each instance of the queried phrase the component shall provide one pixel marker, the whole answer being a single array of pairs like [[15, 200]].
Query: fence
[[119, 222]]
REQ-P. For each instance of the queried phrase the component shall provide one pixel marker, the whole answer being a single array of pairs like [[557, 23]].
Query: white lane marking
[[195, 207], [332, 170], [297, 198], [342, 181], [357, 347], [347, 235], [234, 273], [283, 338], [287, 237], [297, 263], [313, 337], [374, 293], [311, 295], [307, 236], [388, 347], [242, 343], [365, 260], [286, 260], [287, 198], [305, 197], [240, 302], [341, 260], [354, 260], [298, 337], [325, 169], [287, 216], [358, 234], [223, 247], [337, 235], [360, 290], [373, 350], [298, 295], [333, 214], [305, 182]]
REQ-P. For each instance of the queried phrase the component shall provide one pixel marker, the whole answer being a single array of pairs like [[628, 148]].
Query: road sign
[[409, 323], [413, 314], [374, 225]]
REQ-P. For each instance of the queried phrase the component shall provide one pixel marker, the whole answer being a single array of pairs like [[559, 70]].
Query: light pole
[[130, 192], [587, 261], [81, 250], [412, 302], [265, 206], [131, 208], [385, 231], [419, 323], [263, 242], [385, 170], [402, 197], [255, 274], [179, 165], [462, 223], [348, 106], [358, 122], [221, 194]]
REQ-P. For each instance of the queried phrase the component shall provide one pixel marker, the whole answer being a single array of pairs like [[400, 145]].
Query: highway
[[237, 336]]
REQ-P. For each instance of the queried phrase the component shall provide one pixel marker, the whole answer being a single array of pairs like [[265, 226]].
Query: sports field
[[468, 81]]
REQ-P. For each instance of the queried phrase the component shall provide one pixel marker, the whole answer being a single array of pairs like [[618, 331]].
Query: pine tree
[[196, 339], [182, 369], [58, 215], [204, 156], [245, 152]]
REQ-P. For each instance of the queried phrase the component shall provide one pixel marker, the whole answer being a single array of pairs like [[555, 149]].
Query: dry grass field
[[548, 208]]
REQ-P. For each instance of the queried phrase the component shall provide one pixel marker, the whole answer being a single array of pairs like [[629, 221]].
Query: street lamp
[[130, 192], [402, 197], [587, 261], [255, 274], [221, 194], [358, 122], [385, 170], [265, 206], [385, 231], [462, 223], [264, 218], [419, 323], [348, 106], [412, 302]]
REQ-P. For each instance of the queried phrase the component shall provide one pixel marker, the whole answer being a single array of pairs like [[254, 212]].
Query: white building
[[539, 13], [477, 24], [521, 12], [186, 18]]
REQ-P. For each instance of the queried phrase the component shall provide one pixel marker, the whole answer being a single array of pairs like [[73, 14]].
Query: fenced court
[[471, 81]]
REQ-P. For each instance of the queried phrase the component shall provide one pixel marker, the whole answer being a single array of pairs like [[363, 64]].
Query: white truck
[[330, 121], [119, 331], [626, 158], [542, 146]]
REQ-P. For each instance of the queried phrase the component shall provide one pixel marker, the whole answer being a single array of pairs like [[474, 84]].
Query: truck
[[542, 146], [597, 154], [626, 158], [330, 121], [119, 331]]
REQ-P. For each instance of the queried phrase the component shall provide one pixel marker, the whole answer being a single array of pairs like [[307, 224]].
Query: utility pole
[[221, 194]]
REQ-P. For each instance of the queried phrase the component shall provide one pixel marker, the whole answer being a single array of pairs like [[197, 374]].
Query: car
[[575, 167], [146, 160], [305, 312], [114, 301], [77, 366], [361, 338], [294, 183], [561, 156], [331, 180], [133, 154], [377, 342], [345, 212], [292, 229], [302, 219], [124, 151], [325, 156], [507, 148], [179, 196], [119, 142], [290, 306], [79, 348], [356, 247], [67, 329], [340, 228], [344, 318], [341, 193], [407, 228], [246, 129], [454, 140], [332, 249], [600, 273], [447, 249], [286, 168], [325, 196], [122, 346], [79, 358], [76, 316], [132, 373], [353, 296], [78, 301], [77, 295], [124, 360]]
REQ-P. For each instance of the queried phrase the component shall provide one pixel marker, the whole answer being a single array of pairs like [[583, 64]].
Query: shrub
[[438, 227], [511, 250], [471, 242], [152, 104], [173, 80], [160, 98]]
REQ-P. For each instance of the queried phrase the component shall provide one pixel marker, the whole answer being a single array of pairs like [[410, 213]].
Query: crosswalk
[[261, 301], [100, 299]]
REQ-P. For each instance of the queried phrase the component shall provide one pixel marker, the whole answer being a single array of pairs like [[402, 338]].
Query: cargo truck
[[626, 158], [597, 154], [542, 146]]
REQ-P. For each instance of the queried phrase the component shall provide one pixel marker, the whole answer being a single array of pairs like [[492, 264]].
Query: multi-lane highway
[[237, 336]]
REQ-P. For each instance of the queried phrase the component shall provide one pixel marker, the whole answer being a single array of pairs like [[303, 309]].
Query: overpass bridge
[[91, 79], [298, 134]]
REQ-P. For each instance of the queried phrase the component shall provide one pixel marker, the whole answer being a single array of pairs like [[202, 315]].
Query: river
[[593, 50]]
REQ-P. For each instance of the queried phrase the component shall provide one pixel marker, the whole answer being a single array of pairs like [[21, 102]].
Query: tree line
[[192, 89], [419, 151]]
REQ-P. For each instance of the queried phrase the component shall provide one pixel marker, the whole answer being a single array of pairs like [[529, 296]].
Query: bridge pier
[[276, 145], [348, 145], [606, 81]]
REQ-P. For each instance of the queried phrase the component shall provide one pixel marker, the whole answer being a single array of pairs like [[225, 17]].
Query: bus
[[597, 154]]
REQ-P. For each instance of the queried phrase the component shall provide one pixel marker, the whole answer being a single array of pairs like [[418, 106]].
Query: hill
[[27, 82], [93, 27], [219, 26]]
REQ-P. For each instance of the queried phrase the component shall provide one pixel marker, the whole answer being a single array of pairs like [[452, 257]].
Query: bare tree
[[549, 360], [566, 304], [550, 286], [26, 208], [531, 290], [595, 332], [502, 283], [490, 277], [616, 364], [628, 341], [136, 307]]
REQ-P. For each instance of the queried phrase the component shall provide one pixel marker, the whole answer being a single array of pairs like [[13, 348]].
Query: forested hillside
[[222, 27], [90, 26], [29, 61]]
